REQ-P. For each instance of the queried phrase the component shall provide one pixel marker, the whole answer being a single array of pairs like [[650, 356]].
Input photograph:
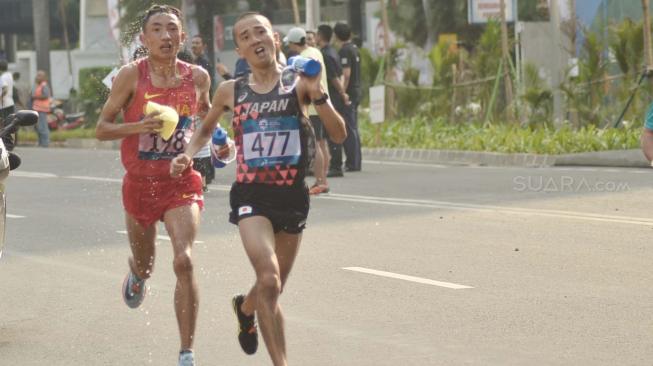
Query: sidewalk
[[612, 158]]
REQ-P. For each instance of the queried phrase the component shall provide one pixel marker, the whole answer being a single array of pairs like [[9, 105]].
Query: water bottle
[[298, 65], [218, 140], [305, 65]]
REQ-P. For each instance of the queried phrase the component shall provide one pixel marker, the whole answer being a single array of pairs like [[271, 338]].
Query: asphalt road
[[400, 265]]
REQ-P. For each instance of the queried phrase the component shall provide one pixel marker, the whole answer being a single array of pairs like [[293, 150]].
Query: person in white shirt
[[7, 103]]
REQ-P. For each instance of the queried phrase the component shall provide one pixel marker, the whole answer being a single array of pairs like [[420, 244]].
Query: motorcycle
[[59, 120], [9, 160]]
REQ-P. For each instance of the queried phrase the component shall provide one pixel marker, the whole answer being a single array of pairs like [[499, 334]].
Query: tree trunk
[[66, 40], [295, 11], [429, 36], [41, 16], [647, 35], [506, 60]]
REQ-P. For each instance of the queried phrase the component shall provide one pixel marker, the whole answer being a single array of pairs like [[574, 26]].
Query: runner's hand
[[151, 122], [180, 163], [345, 98]]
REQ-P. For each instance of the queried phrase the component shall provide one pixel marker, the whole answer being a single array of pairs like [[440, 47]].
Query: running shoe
[[133, 290], [318, 189], [335, 173], [186, 358], [247, 334]]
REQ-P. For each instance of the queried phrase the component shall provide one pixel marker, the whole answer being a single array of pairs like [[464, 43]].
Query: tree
[[41, 16]]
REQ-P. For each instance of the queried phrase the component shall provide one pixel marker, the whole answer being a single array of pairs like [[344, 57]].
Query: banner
[[481, 11], [377, 104]]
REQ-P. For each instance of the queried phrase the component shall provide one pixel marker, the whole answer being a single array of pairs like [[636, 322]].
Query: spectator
[[350, 61], [7, 102], [310, 38], [339, 98], [41, 100]]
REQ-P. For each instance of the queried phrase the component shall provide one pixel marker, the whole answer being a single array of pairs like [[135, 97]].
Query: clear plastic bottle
[[218, 140]]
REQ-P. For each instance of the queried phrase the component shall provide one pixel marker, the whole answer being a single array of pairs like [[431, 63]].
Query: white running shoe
[[186, 359]]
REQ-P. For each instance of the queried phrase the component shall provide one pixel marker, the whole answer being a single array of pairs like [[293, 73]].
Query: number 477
[[268, 139]]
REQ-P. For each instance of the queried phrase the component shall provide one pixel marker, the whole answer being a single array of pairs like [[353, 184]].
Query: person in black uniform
[[351, 65], [337, 92], [269, 200]]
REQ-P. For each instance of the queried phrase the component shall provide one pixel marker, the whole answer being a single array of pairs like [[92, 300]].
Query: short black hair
[[200, 37], [325, 32], [160, 9], [342, 31], [185, 56], [302, 42], [4, 65], [139, 52], [242, 16]]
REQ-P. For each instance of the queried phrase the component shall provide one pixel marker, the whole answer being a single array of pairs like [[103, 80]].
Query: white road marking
[[427, 203], [112, 180], [10, 216], [160, 237], [489, 208], [25, 174], [425, 281]]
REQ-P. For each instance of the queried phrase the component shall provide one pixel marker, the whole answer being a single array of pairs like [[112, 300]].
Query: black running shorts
[[285, 207]]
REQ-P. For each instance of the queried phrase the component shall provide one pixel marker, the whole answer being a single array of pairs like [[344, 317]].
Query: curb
[[632, 158]]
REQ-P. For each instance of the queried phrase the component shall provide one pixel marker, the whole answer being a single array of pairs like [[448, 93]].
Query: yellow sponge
[[167, 114]]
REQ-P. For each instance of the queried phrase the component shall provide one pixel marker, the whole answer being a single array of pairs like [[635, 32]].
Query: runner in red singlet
[[149, 192], [269, 200]]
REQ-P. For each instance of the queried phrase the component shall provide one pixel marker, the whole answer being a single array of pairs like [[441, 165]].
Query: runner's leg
[[258, 239], [182, 224], [141, 241]]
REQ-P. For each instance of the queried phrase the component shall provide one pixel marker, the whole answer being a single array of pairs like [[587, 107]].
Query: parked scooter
[[9, 160], [58, 120]]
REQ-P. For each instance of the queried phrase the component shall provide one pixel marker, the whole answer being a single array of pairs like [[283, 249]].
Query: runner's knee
[[269, 283], [183, 265]]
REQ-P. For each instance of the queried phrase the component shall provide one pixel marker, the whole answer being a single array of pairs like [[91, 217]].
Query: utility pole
[[312, 14], [388, 68], [507, 80], [41, 16], [556, 54], [295, 11], [647, 35], [62, 13]]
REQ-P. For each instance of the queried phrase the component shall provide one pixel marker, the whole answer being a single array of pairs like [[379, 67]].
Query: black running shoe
[[247, 334]]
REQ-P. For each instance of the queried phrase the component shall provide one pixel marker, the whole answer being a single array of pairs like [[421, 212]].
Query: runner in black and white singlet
[[269, 199]]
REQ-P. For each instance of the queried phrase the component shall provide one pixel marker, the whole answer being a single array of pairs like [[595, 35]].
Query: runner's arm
[[123, 87], [222, 101], [310, 89], [202, 79]]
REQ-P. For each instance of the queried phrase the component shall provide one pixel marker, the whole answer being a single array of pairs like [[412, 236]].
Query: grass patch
[[423, 133], [28, 134]]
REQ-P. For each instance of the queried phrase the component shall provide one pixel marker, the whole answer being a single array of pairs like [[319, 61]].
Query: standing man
[[41, 100], [7, 102], [269, 200], [149, 193], [339, 98], [198, 48], [296, 41], [310, 39], [351, 63]]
